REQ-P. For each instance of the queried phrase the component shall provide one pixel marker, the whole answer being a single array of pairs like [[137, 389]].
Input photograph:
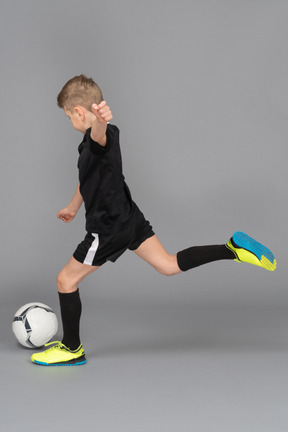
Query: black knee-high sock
[[71, 308], [199, 255]]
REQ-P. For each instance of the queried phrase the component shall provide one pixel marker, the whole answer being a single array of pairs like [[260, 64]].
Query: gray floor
[[193, 360]]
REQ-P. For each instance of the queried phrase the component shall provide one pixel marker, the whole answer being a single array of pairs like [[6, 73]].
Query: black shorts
[[96, 249]]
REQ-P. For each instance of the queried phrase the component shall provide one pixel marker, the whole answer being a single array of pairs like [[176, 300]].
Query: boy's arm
[[68, 213], [98, 130]]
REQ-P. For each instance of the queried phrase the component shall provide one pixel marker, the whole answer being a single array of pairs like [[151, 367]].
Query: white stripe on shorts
[[92, 251]]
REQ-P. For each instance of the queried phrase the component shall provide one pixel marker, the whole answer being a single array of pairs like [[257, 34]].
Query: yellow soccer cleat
[[248, 250], [59, 355]]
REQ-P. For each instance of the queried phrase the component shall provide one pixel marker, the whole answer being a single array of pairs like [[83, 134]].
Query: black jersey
[[106, 196]]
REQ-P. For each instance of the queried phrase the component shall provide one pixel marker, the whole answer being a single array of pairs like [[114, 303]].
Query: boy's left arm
[[98, 130]]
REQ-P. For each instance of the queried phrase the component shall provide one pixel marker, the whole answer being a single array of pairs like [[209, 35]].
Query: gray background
[[199, 92]]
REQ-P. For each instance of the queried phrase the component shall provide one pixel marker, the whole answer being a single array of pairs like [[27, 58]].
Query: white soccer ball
[[34, 325]]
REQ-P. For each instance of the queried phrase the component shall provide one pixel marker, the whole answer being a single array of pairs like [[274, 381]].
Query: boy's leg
[[240, 248], [70, 350], [72, 274], [70, 303], [152, 251]]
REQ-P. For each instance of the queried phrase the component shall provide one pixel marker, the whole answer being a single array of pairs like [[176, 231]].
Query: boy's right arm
[[68, 213], [103, 115]]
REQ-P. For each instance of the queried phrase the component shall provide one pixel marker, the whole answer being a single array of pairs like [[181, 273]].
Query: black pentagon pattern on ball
[[22, 317]]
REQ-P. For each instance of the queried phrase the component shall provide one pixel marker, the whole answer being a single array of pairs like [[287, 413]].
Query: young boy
[[113, 221]]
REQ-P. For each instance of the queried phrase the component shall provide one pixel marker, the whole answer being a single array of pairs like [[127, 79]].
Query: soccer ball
[[34, 325]]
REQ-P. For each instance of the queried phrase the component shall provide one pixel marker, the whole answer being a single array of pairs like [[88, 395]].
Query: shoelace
[[60, 345], [57, 344]]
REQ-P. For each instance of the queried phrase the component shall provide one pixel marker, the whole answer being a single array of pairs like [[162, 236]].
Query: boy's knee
[[61, 282], [64, 284], [166, 272], [170, 267]]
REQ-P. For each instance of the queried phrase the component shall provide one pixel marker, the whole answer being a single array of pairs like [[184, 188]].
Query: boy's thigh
[[154, 253], [74, 272]]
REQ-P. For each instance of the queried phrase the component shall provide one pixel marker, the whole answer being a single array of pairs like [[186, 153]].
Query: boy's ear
[[80, 111]]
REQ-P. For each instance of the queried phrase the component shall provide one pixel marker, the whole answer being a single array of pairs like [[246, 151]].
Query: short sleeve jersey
[[107, 199]]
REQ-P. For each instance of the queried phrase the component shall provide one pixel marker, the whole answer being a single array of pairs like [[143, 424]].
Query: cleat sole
[[59, 364], [264, 255], [75, 362]]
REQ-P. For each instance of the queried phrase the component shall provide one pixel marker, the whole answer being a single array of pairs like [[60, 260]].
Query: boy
[[113, 221]]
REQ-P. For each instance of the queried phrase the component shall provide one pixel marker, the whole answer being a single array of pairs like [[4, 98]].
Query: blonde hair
[[79, 90]]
